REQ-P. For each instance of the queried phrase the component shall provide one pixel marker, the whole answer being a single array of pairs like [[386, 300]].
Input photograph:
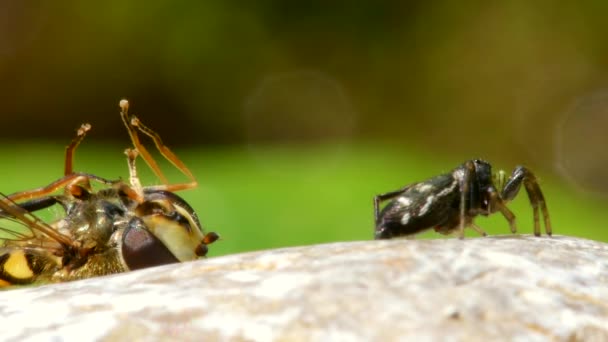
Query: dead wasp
[[449, 202], [119, 227]]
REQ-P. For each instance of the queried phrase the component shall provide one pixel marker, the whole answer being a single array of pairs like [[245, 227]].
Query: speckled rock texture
[[508, 288]]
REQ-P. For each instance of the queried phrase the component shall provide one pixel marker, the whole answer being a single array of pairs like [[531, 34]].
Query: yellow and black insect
[[118, 227]]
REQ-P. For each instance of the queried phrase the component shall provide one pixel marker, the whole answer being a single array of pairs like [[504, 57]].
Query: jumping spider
[[449, 202]]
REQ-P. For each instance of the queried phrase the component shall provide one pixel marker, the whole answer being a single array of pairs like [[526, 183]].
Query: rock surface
[[482, 289]]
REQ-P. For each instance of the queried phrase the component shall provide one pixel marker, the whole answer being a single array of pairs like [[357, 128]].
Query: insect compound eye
[[173, 222], [141, 248]]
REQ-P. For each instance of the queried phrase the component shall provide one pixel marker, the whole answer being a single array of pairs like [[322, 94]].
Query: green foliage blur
[[279, 196], [294, 115]]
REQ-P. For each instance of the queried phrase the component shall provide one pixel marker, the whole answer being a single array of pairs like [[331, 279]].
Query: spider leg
[[384, 197], [133, 125], [537, 200], [478, 229], [498, 203], [466, 186]]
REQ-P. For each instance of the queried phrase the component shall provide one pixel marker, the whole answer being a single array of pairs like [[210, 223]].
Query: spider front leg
[[498, 203], [537, 200]]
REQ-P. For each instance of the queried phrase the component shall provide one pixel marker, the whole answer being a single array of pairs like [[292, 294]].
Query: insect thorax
[[94, 221]]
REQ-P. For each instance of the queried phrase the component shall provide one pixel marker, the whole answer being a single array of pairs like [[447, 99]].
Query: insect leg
[[133, 124], [71, 179], [383, 197], [133, 179], [127, 120], [39, 198], [71, 148], [39, 203], [537, 200], [165, 151]]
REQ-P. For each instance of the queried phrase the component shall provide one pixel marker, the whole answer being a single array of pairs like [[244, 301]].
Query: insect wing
[[28, 245], [37, 228]]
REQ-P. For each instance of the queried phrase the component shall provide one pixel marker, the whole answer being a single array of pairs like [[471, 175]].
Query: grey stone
[[481, 289]]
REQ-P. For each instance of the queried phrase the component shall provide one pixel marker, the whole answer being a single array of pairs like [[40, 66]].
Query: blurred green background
[[294, 115]]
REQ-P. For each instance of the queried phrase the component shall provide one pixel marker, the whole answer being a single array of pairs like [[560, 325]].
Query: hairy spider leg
[[523, 175], [478, 229], [133, 124], [384, 197], [498, 203], [465, 184]]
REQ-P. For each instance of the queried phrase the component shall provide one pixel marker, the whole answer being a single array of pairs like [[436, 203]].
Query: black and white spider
[[449, 202]]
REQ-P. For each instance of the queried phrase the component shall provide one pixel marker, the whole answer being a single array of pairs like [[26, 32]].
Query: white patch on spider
[[427, 205], [405, 218], [458, 174], [424, 187], [448, 189], [406, 201], [430, 199]]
